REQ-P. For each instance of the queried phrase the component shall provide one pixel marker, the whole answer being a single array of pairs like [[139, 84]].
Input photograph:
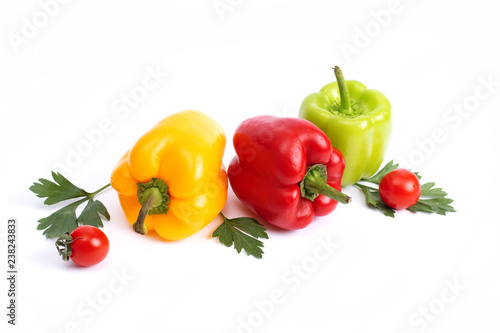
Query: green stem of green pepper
[[345, 101]]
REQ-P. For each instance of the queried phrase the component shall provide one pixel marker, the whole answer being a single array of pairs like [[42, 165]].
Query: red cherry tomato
[[400, 189], [89, 245]]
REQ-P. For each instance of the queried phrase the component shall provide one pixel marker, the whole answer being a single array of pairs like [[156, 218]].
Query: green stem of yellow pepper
[[154, 199]]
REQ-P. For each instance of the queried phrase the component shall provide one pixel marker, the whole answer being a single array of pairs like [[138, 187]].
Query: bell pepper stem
[[154, 198], [139, 226], [345, 101], [314, 184]]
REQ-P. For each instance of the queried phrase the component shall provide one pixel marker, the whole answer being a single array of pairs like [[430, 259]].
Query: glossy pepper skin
[[177, 167], [273, 157], [356, 119]]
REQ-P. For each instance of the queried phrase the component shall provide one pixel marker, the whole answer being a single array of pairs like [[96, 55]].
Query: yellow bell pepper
[[172, 180]]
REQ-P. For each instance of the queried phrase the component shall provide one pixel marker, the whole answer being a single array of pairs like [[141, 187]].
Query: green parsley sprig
[[243, 232], [65, 219], [432, 200]]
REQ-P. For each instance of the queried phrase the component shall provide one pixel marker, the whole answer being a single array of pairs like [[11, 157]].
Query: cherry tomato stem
[[86, 245]]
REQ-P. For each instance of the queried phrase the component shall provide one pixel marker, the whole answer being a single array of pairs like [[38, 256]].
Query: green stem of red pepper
[[314, 184]]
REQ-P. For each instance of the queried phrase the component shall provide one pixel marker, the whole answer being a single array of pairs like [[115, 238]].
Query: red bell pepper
[[286, 170]]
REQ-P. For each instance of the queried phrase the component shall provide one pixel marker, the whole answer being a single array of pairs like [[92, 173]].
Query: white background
[[430, 58]]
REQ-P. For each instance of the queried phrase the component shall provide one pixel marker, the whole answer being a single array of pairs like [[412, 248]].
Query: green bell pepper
[[357, 121]]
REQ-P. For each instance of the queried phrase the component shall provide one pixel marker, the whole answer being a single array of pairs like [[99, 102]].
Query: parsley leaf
[[65, 219], [61, 221], [62, 190], [373, 200], [90, 214], [377, 178], [243, 232], [427, 190], [432, 200]]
